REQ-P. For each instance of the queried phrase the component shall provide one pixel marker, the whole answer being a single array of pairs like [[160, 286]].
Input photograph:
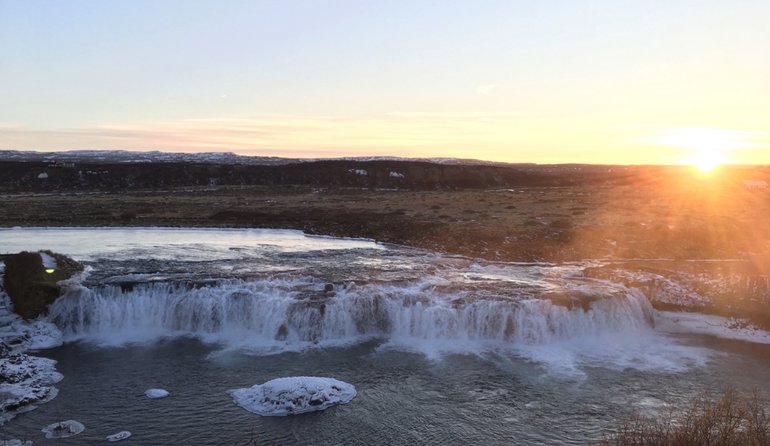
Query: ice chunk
[[122, 435], [63, 429], [293, 395], [15, 442], [156, 393]]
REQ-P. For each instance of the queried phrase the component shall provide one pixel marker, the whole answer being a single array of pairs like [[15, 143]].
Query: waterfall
[[265, 313]]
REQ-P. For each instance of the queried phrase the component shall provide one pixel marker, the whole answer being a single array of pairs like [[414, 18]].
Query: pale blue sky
[[548, 81]]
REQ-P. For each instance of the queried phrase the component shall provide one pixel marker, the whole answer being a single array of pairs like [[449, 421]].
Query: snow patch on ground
[[755, 184], [293, 395], [48, 261], [659, 288], [721, 327]]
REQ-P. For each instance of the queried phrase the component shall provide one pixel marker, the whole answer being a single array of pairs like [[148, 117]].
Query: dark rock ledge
[[31, 280]]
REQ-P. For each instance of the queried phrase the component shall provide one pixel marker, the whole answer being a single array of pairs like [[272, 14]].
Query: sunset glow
[[635, 83], [706, 161], [708, 147]]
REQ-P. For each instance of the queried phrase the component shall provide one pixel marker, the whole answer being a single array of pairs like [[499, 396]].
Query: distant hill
[[126, 156], [122, 170]]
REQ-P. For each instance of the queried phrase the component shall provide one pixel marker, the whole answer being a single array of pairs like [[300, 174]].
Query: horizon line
[[370, 158]]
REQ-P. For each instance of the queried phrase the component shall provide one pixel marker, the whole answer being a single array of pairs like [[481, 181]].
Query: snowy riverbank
[[25, 380]]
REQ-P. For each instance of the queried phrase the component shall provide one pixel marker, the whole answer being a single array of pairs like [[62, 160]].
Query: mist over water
[[496, 351]]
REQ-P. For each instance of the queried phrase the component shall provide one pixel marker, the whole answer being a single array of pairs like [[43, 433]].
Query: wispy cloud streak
[[283, 135]]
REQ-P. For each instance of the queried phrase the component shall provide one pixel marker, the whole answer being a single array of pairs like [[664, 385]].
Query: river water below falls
[[441, 349]]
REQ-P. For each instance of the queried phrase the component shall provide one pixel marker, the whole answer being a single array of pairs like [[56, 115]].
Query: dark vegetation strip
[[731, 419]]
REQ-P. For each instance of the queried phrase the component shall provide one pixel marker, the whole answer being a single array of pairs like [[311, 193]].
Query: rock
[[24, 381], [31, 280], [282, 334]]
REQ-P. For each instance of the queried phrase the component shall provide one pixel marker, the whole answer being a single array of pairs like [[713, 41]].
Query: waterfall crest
[[265, 313]]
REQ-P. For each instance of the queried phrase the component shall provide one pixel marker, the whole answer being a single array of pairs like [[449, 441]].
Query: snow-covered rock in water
[[31, 279], [122, 435], [19, 335], [293, 395], [25, 381], [156, 393], [63, 429]]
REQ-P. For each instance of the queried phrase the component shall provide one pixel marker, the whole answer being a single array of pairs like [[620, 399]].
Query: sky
[[546, 81]]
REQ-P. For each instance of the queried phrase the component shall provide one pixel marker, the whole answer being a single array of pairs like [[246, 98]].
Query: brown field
[[692, 219]]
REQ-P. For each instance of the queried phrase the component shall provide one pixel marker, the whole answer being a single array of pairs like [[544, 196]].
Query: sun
[[705, 160], [709, 147]]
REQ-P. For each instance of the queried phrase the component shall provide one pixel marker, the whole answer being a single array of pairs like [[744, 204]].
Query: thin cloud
[[274, 133], [485, 90]]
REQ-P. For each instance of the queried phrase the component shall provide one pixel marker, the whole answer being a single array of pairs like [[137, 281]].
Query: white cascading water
[[279, 313]]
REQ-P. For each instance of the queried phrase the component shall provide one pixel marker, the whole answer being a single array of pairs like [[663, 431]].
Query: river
[[441, 349]]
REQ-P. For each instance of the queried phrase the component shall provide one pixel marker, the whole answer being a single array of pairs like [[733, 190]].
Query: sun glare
[[709, 147], [705, 161]]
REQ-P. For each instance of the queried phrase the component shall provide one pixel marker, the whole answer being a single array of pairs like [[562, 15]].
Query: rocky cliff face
[[31, 280]]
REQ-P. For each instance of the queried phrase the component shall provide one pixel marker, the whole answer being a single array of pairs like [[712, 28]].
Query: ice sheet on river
[[293, 395]]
